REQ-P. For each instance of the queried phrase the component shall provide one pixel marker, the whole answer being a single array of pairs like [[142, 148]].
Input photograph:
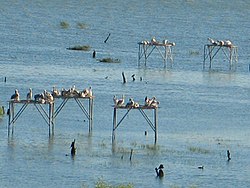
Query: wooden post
[[114, 125], [90, 114], [9, 114], [156, 124]]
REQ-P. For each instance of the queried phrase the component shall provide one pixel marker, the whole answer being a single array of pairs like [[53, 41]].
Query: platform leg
[[156, 124], [114, 125], [90, 114]]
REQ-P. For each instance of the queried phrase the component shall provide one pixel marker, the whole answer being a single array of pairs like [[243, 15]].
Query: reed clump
[[198, 150], [110, 60], [64, 24], [80, 48], [103, 184]]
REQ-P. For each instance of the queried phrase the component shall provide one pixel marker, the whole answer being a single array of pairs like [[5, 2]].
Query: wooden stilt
[[165, 50], [114, 124], [230, 52], [141, 109]]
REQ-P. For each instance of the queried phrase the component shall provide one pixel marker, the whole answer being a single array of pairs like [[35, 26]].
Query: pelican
[[55, 92], [159, 171], [154, 102], [73, 148], [147, 101], [228, 43], [212, 41], [15, 96], [29, 95], [120, 102], [115, 100], [90, 92]]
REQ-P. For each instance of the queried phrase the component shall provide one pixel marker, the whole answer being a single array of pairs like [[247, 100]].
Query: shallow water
[[202, 113]]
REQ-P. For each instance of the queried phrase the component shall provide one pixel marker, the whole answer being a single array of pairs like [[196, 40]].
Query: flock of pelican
[[48, 97], [148, 102], [227, 43], [155, 42]]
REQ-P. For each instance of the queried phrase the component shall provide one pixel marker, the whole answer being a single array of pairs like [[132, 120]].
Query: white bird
[[29, 95], [154, 102], [115, 100], [120, 102], [55, 92], [90, 92], [15, 96], [147, 101]]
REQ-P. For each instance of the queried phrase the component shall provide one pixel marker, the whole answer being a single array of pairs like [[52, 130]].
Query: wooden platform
[[229, 51], [51, 112], [165, 50]]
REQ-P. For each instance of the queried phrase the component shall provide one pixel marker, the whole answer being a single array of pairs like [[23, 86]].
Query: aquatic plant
[[103, 184], [110, 60], [80, 48], [193, 52], [198, 150], [81, 25], [64, 24]]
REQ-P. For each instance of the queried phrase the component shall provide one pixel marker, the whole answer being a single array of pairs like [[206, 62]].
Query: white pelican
[[154, 102], [55, 92], [115, 100], [90, 92], [15, 96], [147, 101], [29, 95], [120, 102], [212, 41]]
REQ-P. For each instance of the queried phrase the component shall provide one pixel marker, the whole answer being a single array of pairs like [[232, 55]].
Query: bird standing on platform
[[115, 100], [147, 101], [15, 96], [29, 95], [159, 171], [154, 102], [120, 102], [73, 148]]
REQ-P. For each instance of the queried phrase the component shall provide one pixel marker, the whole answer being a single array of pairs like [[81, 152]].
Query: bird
[[159, 171], [212, 41], [90, 92], [73, 148], [201, 167], [115, 100], [130, 103], [153, 102], [55, 92], [228, 155], [15, 96], [120, 102], [147, 101], [29, 95], [94, 54], [133, 77]]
